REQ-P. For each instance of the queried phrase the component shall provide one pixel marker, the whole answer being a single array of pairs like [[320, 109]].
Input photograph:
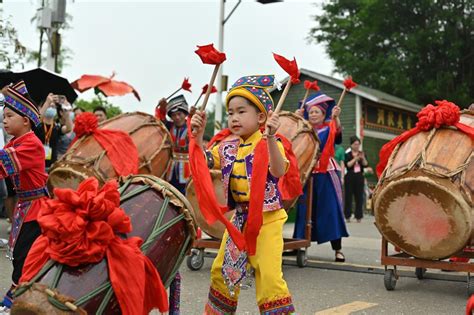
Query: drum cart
[[421, 265], [195, 260]]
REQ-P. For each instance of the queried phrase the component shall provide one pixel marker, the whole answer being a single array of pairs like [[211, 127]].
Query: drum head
[[424, 217]]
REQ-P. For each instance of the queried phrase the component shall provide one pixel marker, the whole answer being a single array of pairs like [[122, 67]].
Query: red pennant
[[349, 84], [186, 85], [210, 55], [205, 87], [290, 67], [308, 85]]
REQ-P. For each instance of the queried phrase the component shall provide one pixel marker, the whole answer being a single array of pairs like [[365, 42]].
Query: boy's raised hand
[[198, 124], [273, 123]]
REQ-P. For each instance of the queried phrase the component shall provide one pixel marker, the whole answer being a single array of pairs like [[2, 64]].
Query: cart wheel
[[301, 258], [390, 280], [470, 285], [195, 261], [420, 273]]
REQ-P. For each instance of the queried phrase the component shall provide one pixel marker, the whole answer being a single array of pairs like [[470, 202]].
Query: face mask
[[50, 113]]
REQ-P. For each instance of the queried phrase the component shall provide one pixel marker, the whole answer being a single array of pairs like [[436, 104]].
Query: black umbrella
[[40, 83]]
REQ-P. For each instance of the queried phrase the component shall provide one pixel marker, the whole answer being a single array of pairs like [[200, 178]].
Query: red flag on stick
[[184, 86], [308, 85], [211, 56], [204, 90]]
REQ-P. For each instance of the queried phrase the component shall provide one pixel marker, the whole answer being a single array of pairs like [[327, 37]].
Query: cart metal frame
[[421, 265]]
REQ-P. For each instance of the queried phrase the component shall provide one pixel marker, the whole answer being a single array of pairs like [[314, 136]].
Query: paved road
[[321, 288]]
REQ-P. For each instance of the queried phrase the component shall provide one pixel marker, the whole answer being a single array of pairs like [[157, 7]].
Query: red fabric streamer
[[205, 87], [328, 150], [349, 84], [82, 227], [308, 85], [204, 187], [470, 305], [444, 114], [186, 85], [121, 150], [257, 195], [210, 55], [290, 67]]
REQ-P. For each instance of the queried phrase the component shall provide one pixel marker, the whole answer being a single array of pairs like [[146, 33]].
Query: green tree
[[418, 50], [12, 52], [89, 106]]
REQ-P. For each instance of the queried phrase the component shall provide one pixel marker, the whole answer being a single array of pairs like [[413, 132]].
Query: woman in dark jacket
[[355, 162]]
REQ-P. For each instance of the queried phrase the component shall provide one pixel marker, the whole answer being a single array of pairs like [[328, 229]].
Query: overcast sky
[[150, 44]]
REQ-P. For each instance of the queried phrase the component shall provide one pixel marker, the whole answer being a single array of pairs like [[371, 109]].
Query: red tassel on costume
[[328, 150], [224, 133]]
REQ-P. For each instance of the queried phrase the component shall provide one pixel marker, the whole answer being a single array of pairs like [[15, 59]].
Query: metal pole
[[220, 44]]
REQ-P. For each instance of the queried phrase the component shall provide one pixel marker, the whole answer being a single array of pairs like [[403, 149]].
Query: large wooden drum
[[160, 216], [424, 201], [87, 158], [305, 145]]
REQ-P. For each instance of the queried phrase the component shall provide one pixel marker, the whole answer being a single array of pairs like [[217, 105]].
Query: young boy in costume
[[23, 160], [249, 107]]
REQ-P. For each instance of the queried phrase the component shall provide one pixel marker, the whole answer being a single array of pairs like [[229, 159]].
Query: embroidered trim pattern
[[280, 306], [219, 304]]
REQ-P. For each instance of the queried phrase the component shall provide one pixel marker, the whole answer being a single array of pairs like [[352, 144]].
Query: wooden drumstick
[[281, 100]]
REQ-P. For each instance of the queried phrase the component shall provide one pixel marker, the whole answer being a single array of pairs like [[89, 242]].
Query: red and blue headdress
[[18, 100], [323, 102], [255, 89]]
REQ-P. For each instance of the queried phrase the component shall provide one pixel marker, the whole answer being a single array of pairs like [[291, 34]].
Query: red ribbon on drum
[[444, 114], [82, 227], [121, 150]]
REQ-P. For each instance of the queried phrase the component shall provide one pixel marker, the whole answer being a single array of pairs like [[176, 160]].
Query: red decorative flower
[[290, 67], [186, 85], [445, 114], [85, 124], [308, 85], [204, 89], [349, 84], [210, 55], [80, 224]]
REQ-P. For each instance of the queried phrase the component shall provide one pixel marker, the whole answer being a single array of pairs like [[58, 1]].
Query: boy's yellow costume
[[235, 159]]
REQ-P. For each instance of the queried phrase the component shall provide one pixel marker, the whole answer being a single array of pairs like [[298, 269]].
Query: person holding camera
[[55, 122], [355, 162]]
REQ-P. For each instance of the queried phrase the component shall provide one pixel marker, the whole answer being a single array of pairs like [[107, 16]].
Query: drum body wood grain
[[87, 158]]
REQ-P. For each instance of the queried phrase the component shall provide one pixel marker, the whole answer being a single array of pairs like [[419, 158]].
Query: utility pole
[[51, 15]]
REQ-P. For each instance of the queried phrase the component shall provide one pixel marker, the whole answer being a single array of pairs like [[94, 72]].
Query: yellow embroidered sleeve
[[215, 156]]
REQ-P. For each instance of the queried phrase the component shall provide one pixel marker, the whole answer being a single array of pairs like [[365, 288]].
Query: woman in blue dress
[[327, 218]]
